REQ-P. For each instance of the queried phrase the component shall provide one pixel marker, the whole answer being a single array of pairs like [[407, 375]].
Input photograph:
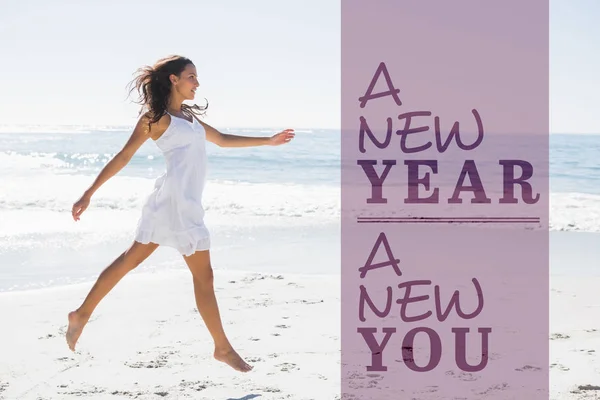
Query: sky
[[261, 63], [574, 66]]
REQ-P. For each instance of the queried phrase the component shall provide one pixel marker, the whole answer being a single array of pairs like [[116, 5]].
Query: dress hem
[[186, 242]]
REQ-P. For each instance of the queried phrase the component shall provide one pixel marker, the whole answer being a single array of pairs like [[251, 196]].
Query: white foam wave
[[16, 164], [43, 182], [59, 192], [575, 212], [40, 128]]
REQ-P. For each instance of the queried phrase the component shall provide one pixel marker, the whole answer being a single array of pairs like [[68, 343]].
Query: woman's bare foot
[[76, 324], [232, 358]]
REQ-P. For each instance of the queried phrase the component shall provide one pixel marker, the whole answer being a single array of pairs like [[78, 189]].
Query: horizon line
[[132, 125]]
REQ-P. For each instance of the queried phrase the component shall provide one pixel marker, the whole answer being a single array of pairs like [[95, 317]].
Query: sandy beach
[[147, 341], [408, 119], [575, 339]]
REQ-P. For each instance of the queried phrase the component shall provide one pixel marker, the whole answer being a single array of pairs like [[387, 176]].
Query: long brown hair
[[154, 87]]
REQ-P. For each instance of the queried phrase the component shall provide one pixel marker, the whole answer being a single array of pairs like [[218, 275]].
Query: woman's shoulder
[[156, 128]]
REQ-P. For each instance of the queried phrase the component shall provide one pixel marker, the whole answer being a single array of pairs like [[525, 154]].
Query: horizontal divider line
[[447, 221], [453, 218]]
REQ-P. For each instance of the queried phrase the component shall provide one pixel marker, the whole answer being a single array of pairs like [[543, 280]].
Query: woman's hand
[[80, 206], [282, 137]]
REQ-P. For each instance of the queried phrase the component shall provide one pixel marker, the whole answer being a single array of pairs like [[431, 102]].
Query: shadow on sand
[[247, 397]]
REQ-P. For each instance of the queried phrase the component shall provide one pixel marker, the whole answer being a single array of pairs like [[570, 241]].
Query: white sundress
[[173, 214]]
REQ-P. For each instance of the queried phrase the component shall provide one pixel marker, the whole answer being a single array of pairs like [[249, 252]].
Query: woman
[[173, 214]]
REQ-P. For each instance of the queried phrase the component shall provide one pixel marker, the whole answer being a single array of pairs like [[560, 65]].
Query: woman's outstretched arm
[[140, 134], [227, 140]]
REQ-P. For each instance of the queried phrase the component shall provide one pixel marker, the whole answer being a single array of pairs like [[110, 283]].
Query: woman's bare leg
[[107, 280], [202, 273]]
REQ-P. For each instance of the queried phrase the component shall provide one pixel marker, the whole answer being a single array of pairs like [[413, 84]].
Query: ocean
[[271, 209]]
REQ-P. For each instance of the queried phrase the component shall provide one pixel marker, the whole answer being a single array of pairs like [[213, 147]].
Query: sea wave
[[575, 212], [568, 211], [53, 181], [59, 192]]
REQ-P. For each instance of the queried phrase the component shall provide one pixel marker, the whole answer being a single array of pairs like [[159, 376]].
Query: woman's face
[[187, 83]]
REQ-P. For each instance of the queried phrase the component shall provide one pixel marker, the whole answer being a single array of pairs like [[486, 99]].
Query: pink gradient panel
[[445, 189]]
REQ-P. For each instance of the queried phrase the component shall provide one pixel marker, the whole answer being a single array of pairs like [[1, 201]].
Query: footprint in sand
[[270, 390], [287, 367], [586, 388], [126, 393], [254, 277], [160, 362], [467, 377], [48, 336], [305, 301], [463, 376], [528, 368], [590, 352], [559, 366], [375, 378], [495, 388], [559, 336], [263, 303], [148, 364], [85, 392], [197, 386]]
